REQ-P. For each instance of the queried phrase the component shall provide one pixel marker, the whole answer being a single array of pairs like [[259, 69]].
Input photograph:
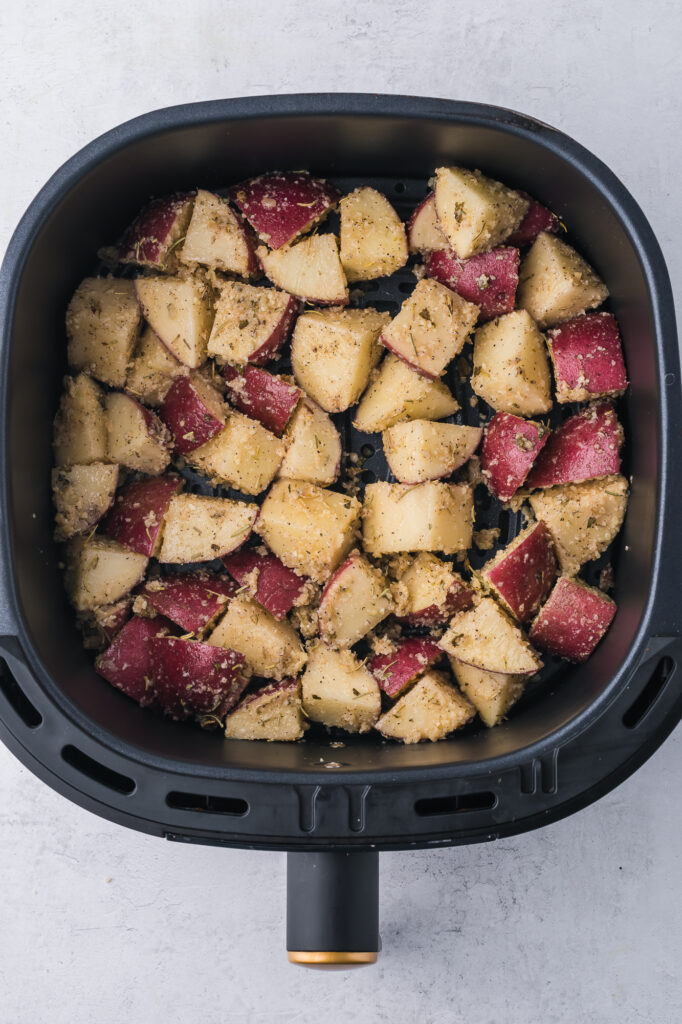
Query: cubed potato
[[421, 450], [82, 495], [190, 680], [127, 662], [427, 517], [474, 212], [313, 443], [217, 238], [333, 353], [583, 518], [180, 311], [585, 446], [511, 368], [399, 394], [489, 280], [538, 218], [338, 690], [152, 370], [265, 396], [510, 447], [431, 592], [310, 269], [136, 520], [153, 237], [485, 636], [493, 694], [309, 528], [102, 325], [251, 323], [281, 205], [356, 599], [193, 600], [431, 710], [136, 437], [80, 429], [244, 455], [271, 647], [522, 574], [194, 411], [100, 571], [276, 587], [573, 620], [199, 529], [431, 328], [588, 358], [373, 240], [409, 659], [555, 283], [423, 230], [273, 713]]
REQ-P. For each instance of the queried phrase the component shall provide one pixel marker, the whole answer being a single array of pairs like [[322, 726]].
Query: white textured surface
[[579, 922]]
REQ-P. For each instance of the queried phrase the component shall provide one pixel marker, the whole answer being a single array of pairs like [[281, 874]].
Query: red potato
[[136, 519], [574, 620], [156, 232], [136, 437], [199, 529], [430, 710], [488, 279], [311, 270], [263, 396], [280, 206], [127, 663], [313, 446], [194, 412], [423, 231], [273, 585], [373, 239], [111, 618], [180, 311], [102, 325], [396, 671], [510, 447], [152, 370], [432, 592], [82, 495], [217, 237], [194, 679], [538, 218], [251, 323], [191, 600], [522, 574], [588, 358], [421, 450], [355, 600], [273, 713], [583, 447]]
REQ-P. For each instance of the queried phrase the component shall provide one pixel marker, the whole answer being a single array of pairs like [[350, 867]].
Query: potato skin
[[137, 517], [488, 279], [522, 574], [411, 658], [583, 447], [191, 680], [510, 447], [127, 662], [573, 620], [280, 206]]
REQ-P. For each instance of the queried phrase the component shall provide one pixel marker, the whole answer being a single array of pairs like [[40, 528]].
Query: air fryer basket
[[570, 740]]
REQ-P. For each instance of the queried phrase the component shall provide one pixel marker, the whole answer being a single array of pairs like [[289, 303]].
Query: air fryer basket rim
[[665, 621]]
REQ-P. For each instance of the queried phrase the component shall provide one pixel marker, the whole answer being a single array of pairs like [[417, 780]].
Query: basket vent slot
[[456, 803], [15, 696], [207, 804], [650, 694], [96, 771]]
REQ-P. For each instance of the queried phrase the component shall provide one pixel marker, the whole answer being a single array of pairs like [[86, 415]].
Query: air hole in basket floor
[[367, 451], [406, 287], [368, 476], [96, 771], [399, 187], [649, 695], [458, 802], [15, 696], [211, 804]]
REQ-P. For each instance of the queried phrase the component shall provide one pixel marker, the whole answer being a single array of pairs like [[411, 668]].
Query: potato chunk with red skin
[[153, 237], [431, 710], [510, 447], [585, 446], [511, 368], [273, 713], [338, 690], [80, 429], [263, 396], [538, 218], [587, 356], [310, 269], [180, 311], [199, 529], [423, 231], [152, 370], [282, 205], [355, 600], [485, 636], [136, 437], [432, 516], [493, 694], [137, 517], [398, 393], [244, 455], [99, 571], [82, 495], [251, 323], [573, 620], [411, 658], [217, 237], [276, 587], [431, 592], [556, 283], [193, 601], [489, 279], [127, 662], [522, 574], [191, 679], [194, 412], [421, 450], [373, 240], [313, 446], [474, 212], [271, 647], [102, 324]]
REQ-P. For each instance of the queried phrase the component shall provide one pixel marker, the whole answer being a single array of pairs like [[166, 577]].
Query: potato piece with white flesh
[[431, 516], [272, 647], [80, 429], [556, 283], [100, 571], [273, 713], [333, 353], [82, 495], [153, 237], [430, 592], [313, 446], [511, 368], [179, 310], [356, 599], [582, 518], [485, 636], [338, 690], [421, 450], [309, 528], [199, 529], [152, 370], [398, 394], [474, 212], [373, 240], [431, 328], [423, 230], [431, 710], [244, 455], [251, 323], [492, 693], [102, 325], [216, 237], [136, 437], [310, 269]]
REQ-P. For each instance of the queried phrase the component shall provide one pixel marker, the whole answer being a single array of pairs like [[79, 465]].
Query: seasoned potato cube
[[423, 230], [152, 370], [273, 713], [244, 455], [486, 637], [373, 240], [574, 619], [102, 323], [427, 517], [310, 269], [431, 710], [80, 429], [99, 571], [491, 693], [476, 213], [82, 495], [272, 647], [180, 311], [199, 529], [521, 575], [400, 394], [251, 324], [555, 283], [136, 437], [421, 450], [281, 205], [430, 592], [338, 690], [313, 446], [511, 368], [355, 600], [216, 237]]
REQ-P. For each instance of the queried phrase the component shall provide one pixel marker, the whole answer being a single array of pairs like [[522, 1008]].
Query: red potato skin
[[510, 447], [136, 519], [413, 366], [459, 598], [525, 577], [114, 623], [148, 239], [538, 218], [190, 600], [500, 266], [277, 589], [126, 663], [192, 679], [412, 657], [583, 447], [190, 421], [587, 352], [263, 396], [271, 348], [282, 205], [573, 621]]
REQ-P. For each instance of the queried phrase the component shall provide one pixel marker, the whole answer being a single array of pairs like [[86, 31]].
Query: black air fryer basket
[[570, 740]]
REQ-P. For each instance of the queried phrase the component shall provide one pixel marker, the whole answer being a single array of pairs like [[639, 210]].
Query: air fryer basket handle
[[333, 909]]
